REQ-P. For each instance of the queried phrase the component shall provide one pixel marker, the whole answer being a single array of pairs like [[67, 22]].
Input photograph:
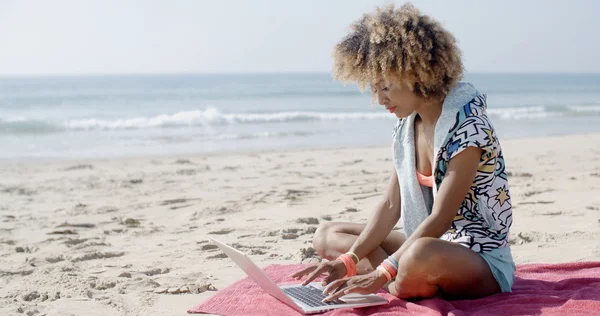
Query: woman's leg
[[431, 266], [333, 239]]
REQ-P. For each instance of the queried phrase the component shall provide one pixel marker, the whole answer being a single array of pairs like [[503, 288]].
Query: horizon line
[[266, 73]]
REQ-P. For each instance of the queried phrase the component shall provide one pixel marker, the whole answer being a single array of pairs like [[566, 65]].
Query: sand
[[129, 236]]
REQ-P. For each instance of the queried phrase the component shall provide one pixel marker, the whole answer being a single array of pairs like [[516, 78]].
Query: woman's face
[[398, 100]]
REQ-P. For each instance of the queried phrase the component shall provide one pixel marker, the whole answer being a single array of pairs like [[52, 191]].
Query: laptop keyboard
[[310, 296]]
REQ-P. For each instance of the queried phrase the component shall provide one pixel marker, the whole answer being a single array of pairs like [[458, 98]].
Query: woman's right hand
[[336, 270]]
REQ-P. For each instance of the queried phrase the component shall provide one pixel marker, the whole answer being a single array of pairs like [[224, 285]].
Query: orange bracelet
[[385, 272], [353, 255], [349, 264]]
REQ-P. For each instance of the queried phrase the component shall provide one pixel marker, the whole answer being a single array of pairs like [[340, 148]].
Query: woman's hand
[[360, 284], [335, 269]]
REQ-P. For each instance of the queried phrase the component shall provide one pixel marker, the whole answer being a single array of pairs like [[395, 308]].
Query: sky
[[61, 37]]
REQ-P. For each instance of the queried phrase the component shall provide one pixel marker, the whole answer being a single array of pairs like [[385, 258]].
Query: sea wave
[[212, 117], [528, 112]]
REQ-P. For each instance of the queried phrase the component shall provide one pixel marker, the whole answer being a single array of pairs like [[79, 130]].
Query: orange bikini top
[[425, 180]]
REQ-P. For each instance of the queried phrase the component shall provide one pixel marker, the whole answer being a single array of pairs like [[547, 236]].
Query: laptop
[[305, 299]]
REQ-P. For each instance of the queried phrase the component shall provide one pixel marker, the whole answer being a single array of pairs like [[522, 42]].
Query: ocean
[[124, 116]]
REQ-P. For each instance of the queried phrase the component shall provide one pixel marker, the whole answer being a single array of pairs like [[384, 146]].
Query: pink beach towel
[[556, 289]]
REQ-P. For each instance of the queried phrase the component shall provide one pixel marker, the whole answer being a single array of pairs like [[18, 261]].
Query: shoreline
[[226, 153]]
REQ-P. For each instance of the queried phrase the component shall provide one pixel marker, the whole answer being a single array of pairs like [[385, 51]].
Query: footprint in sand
[[107, 209], [97, 255], [18, 191], [221, 210], [537, 202], [131, 223], [519, 174], [217, 256], [545, 202], [25, 249], [308, 220], [532, 193], [308, 253], [209, 247], [18, 272], [223, 231], [71, 242], [326, 218], [135, 181], [272, 233], [180, 206], [105, 285], [299, 231], [185, 289], [288, 236], [156, 271], [528, 237], [55, 259], [183, 162], [186, 172], [79, 167], [177, 201], [350, 163], [294, 195], [551, 213], [63, 232], [82, 225], [12, 242], [253, 250], [309, 231]]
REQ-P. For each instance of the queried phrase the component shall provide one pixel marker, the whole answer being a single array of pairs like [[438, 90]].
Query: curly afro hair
[[401, 46]]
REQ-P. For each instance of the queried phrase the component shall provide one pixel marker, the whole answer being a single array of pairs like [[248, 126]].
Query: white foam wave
[[212, 116], [14, 119], [529, 112], [584, 108]]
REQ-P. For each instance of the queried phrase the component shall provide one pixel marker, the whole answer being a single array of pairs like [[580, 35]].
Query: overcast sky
[[177, 36]]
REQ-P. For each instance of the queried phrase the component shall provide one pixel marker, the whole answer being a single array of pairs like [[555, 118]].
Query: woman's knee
[[414, 277], [322, 235], [422, 252]]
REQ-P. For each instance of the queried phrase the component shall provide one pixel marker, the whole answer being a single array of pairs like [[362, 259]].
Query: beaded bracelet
[[389, 267]]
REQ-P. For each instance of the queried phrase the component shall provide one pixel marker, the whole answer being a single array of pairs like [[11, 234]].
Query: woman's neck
[[430, 112]]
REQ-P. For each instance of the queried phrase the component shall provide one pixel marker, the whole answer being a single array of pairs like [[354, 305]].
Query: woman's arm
[[457, 182], [382, 222], [377, 229]]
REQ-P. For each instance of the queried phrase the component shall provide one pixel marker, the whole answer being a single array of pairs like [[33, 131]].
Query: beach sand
[[130, 236]]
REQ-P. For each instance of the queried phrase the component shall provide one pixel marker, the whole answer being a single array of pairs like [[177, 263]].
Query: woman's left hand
[[360, 284]]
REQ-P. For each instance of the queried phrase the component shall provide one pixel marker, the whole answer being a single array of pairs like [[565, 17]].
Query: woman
[[449, 184]]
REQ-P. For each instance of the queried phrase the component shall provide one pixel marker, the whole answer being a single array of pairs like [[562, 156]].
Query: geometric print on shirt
[[484, 218]]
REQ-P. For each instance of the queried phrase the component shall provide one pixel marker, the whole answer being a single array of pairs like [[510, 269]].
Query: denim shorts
[[502, 265]]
